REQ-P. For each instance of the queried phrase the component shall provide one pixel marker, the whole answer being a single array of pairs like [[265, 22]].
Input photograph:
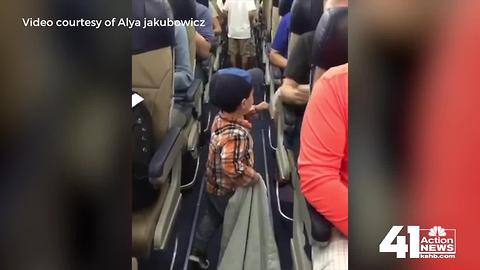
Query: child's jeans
[[210, 221]]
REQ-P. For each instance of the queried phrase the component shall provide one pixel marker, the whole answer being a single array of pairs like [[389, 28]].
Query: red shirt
[[322, 164]]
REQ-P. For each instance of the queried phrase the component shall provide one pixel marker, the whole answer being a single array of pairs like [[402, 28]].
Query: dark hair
[[229, 87]]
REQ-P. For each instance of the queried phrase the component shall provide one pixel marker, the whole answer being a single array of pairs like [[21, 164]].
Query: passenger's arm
[[280, 45], [293, 93], [252, 15], [252, 10], [257, 108], [203, 46], [277, 59], [183, 75], [207, 31], [323, 141], [217, 29]]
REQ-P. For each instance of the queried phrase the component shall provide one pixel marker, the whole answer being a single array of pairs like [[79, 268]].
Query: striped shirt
[[230, 156]]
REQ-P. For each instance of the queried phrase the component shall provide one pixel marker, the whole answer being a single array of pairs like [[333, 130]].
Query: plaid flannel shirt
[[230, 156]]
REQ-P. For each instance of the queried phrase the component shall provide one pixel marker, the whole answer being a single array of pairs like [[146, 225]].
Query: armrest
[[188, 95], [165, 157], [321, 227]]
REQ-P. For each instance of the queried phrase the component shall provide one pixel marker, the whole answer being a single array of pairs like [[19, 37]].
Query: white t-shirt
[[213, 10], [238, 21]]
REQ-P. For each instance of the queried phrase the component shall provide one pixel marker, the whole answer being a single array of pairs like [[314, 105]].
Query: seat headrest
[[330, 44], [284, 6], [151, 38], [305, 15], [184, 9]]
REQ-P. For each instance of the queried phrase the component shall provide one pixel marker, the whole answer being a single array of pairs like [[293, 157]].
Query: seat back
[[274, 18], [284, 6], [152, 64], [152, 78], [305, 15], [186, 10], [330, 45], [267, 15]]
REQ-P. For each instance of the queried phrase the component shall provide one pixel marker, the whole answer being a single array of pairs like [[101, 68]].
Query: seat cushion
[[180, 114], [144, 223]]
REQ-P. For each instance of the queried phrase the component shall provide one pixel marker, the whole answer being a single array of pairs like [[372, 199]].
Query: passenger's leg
[[211, 220], [233, 51], [296, 136], [245, 52], [200, 72], [293, 117]]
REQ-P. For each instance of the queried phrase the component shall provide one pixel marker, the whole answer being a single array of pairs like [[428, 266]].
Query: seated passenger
[[230, 161], [295, 89], [240, 16], [328, 4], [279, 52], [295, 86], [183, 75], [323, 161], [217, 28], [204, 36]]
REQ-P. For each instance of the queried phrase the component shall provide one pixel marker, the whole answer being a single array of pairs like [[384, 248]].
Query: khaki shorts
[[244, 47]]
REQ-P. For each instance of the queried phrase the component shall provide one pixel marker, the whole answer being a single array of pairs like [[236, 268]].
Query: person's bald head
[[328, 4]]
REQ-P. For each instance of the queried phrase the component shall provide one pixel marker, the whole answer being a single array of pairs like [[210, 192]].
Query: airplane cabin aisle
[[180, 243]]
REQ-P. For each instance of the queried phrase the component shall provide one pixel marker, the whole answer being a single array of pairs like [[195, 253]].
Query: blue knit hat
[[229, 87]]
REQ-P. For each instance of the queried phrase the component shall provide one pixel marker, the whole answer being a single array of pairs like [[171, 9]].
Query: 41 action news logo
[[435, 243]]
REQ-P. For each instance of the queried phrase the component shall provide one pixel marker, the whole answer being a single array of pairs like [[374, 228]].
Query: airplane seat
[[279, 9], [275, 73], [284, 6], [330, 48], [217, 51], [330, 45], [269, 9], [186, 10], [187, 106], [303, 19], [275, 18], [267, 18], [152, 79]]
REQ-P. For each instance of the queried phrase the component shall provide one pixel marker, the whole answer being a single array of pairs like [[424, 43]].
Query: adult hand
[[294, 95], [262, 106]]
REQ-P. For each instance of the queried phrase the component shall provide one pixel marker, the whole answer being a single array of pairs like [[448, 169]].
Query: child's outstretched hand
[[256, 108], [262, 106]]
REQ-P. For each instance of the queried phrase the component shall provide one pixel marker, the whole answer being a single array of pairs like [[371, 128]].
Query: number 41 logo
[[401, 247]]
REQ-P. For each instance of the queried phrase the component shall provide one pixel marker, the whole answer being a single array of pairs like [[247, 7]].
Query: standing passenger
[[240, 16]]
